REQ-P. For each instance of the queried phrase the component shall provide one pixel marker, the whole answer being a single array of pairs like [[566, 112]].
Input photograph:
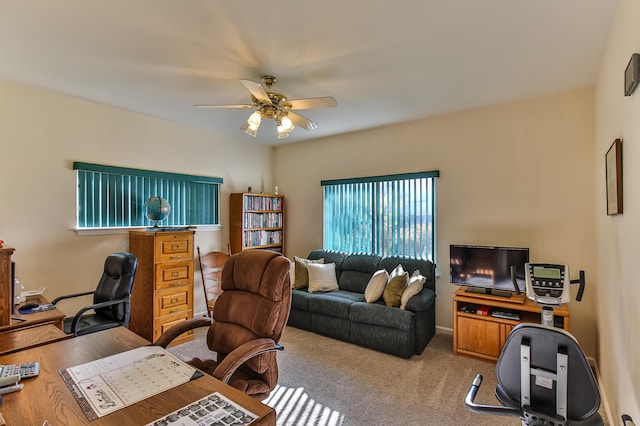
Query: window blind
[[386, 215], [109, 197]]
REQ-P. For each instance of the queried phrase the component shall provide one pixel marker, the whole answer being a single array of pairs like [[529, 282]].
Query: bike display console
[[548, 284]]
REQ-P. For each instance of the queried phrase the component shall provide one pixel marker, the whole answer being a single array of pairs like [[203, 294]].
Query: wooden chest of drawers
[[162, 294]]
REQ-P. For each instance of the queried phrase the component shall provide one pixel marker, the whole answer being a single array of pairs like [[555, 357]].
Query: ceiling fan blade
[[301, 121], [257, 91], [310, 103], [226, 106]]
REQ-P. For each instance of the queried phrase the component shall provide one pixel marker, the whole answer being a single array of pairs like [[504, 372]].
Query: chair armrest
[[123, 299], [242, 354], [78, 315], [69, 296], [168, 336], [421, 301]]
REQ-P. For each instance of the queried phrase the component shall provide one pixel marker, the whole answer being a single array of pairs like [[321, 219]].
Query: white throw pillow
[[300, 269], [375, 287], [415, 286], [398, 270], [322, 277]]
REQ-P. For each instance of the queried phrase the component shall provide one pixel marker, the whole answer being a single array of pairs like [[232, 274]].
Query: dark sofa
[[343, 314]]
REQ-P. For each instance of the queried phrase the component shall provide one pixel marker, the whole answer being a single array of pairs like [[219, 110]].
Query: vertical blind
[[386, 215], [110, 197]]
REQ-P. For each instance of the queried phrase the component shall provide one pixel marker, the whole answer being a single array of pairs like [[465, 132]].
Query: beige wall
[[618, 239], [519, 174], [42, 133]]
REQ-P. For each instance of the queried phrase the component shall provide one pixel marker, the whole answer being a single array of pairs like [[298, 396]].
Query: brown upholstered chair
[[249, 318]]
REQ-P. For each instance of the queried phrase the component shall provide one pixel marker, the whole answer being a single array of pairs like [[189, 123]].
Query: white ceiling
[[384, 61]]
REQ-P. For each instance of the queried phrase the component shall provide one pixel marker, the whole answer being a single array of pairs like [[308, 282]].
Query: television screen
[[488, 268]]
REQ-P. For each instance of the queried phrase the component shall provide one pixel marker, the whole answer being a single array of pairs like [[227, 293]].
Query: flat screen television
[[487, 269]]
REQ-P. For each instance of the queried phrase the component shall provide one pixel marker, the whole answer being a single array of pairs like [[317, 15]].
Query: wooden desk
[[24, 338], [18, 320], [46, 397]]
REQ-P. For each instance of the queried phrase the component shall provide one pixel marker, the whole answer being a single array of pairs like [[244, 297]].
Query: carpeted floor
[[326, 382]]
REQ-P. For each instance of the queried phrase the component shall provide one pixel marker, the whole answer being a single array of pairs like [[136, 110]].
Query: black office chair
[[111, 299], [543, 378]]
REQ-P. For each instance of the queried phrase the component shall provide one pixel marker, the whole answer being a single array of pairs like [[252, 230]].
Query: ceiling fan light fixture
[[286, 124], [254, 120], [273, 105], [282, 134], [251, 131]]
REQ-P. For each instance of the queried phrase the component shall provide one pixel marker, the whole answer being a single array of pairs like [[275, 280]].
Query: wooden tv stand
[[482, 336]]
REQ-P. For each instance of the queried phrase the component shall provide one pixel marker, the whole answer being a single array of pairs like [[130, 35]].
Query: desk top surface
[[47, 397], [19, 320]]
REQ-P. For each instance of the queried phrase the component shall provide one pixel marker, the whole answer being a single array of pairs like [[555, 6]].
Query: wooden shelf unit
[[482, 336], [6, 285], [162, 293], [257, 222]]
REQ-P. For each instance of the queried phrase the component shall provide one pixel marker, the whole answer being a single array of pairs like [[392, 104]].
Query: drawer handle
[[174, 274], [174, 257], [173, 311], [176, 284], [174, 247], [175, 300]]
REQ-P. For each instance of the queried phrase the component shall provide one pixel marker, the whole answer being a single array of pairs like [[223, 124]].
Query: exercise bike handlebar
[[580, 281], [486, 409]]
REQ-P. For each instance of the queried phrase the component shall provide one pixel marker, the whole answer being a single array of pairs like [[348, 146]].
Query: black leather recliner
[[111, 298], [543, 378]]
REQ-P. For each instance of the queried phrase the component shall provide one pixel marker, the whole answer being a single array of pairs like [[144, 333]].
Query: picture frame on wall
[[613, 161]]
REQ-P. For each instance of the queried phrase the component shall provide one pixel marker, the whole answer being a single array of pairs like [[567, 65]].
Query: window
[[114, 197], [386, 215]]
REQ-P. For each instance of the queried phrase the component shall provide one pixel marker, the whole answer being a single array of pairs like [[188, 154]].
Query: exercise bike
[[543, 374]]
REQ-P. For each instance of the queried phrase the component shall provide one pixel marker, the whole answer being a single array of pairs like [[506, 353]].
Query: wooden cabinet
[[483, 336], [162, 294], [257, 222], [6, 286]]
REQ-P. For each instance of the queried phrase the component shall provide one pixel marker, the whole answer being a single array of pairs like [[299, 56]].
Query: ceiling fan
[[274, 105]]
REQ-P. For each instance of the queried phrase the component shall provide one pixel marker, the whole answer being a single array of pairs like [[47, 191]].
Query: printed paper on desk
[[109, 384], [28, 293]]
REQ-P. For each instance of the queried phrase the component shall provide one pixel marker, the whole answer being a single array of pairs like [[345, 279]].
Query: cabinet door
[[162, 324], [505, 329], [173, 300], [479, 336], [174, 274], [173, 247]]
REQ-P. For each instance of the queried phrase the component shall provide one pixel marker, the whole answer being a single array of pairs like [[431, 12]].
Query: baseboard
[[444, 330], [603, 396]]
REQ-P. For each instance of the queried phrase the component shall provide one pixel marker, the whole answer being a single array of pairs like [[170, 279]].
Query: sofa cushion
[[426, 268], [322, 277], [300, 299], [374, 289], [330, 304], [357, 269], [302, 275], [379, 314]]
